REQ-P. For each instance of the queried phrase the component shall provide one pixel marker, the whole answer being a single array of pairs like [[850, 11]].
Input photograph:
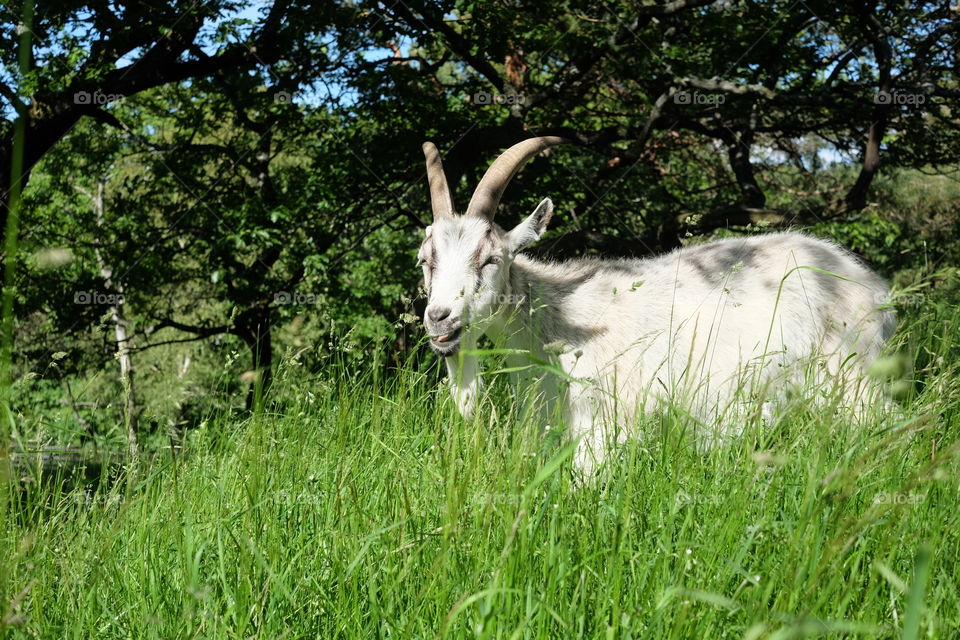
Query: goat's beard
[[445, 352]]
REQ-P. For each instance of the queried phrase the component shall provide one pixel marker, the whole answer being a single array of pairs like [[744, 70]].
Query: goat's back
[[700, 317]]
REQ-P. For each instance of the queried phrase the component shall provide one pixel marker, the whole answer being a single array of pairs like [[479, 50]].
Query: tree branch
[[434, 21], [202, 332], [166, 342], [19, 106]]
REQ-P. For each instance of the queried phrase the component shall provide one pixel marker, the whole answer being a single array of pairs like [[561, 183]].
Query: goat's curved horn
[[440, 197], [487, 195]]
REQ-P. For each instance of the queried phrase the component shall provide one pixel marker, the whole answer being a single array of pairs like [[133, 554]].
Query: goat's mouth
[[446, 344]]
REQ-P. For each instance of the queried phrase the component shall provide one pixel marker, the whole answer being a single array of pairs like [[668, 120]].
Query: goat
[[700, 326]]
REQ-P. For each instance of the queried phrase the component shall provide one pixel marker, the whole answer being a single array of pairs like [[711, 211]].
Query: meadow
[[362, 506]]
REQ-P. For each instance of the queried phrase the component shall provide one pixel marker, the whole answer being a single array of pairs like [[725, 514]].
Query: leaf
[[921, 572]]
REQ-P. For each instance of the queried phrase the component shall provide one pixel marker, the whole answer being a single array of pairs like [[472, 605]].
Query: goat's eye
[[491, 260]]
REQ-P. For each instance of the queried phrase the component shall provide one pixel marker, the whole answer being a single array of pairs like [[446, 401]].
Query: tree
[[87, 57], [670, 77]]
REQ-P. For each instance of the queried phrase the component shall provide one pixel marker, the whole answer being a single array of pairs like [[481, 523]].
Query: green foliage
[[912, 227]]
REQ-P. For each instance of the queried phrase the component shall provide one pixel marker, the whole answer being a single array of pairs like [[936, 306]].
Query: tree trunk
[[856, 198], [738, 148], [120, 325], [253, 327]]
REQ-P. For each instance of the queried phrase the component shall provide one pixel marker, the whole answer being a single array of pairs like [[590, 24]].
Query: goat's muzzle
[[446, 343]]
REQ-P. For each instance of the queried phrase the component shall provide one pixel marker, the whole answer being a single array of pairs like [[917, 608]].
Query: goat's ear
[[530, 230]]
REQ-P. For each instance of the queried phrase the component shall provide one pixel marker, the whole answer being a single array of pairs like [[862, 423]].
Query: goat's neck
[[463, 370], [529, 316], [527, 321]]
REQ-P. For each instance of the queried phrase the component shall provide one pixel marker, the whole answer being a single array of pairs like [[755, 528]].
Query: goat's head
[[466, 258]]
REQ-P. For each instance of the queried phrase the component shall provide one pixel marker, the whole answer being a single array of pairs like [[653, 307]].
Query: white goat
[[713, 327]]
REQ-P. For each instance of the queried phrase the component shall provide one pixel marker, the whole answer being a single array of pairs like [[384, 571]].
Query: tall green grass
[[365, 507]]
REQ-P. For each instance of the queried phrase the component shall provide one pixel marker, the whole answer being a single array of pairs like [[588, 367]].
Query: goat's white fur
[[711, 327]]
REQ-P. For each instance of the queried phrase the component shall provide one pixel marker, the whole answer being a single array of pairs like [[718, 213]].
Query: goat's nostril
[[437, 314]]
